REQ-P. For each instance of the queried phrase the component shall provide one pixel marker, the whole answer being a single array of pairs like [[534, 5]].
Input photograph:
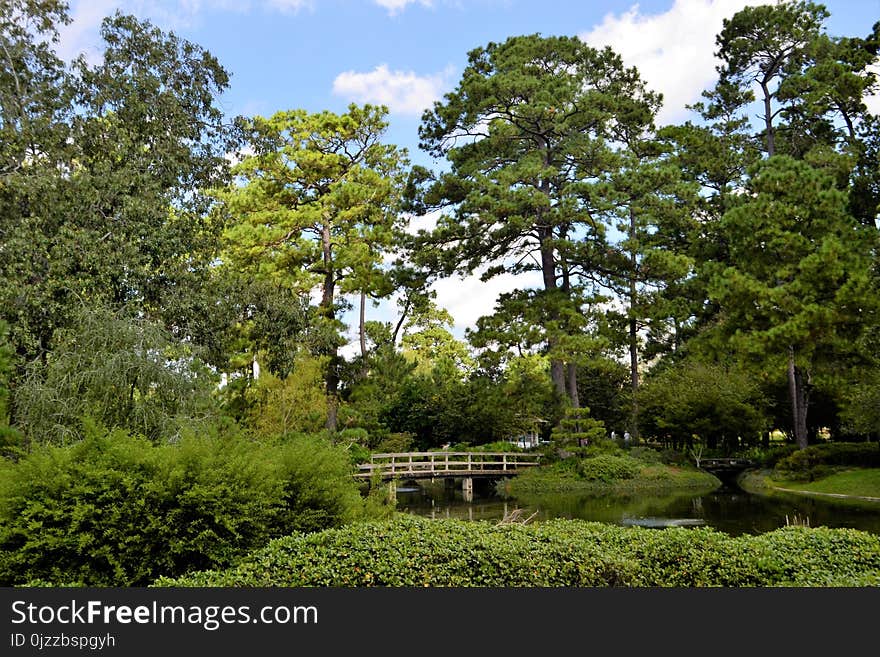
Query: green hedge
[[414, 551], [115, 510]]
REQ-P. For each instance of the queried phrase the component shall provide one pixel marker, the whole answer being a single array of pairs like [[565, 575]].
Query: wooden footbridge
[[726, 469], [433, 465], [392, 467]]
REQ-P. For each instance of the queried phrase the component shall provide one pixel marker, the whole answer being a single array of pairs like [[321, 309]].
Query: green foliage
[[818, 460], [610, 471], [769, 457], [691, 400], [117, 510], [10, 438], [112, 211], [410, 551], [395, 443], [295, 404], [646, 454], [121, 371], [314, 208], [608, 468], [577, 427], [861, 412], [605, 384], [527, 133]]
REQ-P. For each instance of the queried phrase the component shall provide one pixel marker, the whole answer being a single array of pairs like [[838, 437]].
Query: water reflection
[[728, 509]]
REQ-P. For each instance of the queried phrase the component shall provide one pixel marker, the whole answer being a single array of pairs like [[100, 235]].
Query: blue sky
[[324, 54]]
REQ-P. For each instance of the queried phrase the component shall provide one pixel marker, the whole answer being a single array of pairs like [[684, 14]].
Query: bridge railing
[[444, 463]]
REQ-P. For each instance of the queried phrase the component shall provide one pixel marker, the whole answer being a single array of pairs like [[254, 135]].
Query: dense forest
[[166, 269]]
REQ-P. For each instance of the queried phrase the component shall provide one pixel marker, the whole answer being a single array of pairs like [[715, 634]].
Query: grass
[[859, 482]]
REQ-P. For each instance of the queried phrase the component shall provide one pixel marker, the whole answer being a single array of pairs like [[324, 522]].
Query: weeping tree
[[119, 370]]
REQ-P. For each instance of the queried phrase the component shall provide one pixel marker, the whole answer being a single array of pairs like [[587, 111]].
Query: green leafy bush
[[117, 510], [646, 454], [395, 443], [414, 551], [816, 461], [608, 468], [770, 456]]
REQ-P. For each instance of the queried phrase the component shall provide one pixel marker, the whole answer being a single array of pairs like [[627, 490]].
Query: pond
[[728, 508]]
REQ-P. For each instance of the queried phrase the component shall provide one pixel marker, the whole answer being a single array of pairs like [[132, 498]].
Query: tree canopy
[[163, 264]]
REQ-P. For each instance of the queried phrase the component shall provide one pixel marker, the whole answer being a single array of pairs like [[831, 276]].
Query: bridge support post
[[392, 492], [467, 489]]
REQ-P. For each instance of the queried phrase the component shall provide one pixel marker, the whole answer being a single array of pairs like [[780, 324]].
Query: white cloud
[[873, 100], [291, 6], [403, 92], [467, 299], [674, 51], [81, 36], [427, 222], [396, 6]]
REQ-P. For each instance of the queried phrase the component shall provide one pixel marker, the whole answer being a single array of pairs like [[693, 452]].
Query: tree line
[[710, 280]]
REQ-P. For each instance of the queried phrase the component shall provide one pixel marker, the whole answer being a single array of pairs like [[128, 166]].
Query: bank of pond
[[645, 487]]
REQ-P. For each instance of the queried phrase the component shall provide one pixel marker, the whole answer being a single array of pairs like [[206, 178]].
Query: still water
[[728, 509]]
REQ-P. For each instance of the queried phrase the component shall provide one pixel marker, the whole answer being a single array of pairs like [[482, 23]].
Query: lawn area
[[861, 482]]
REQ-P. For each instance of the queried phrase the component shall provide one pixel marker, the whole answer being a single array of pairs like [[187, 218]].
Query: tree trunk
[[799, 393], [572, 384], [768, 121], [634, 376], [548, 271], [361, 323], [327, 294], [633, 329]]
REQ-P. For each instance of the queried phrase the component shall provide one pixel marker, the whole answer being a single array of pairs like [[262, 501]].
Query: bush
[[608, 468], [414, 551], [673, 457], [117, 510], [816, 461], [646, 454], [395, 443], [769, 457]]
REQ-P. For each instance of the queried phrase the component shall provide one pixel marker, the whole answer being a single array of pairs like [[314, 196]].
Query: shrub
[[769, 457], [414, 551], [646, 454], [817, 461], [673, 457], [395, 443], [118, 510], [608, 468]]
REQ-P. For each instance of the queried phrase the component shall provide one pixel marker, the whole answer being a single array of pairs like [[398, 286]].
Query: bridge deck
[[726, 464], [424, 465]]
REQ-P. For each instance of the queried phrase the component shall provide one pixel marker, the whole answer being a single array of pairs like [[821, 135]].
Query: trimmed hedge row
[[413, 551]]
